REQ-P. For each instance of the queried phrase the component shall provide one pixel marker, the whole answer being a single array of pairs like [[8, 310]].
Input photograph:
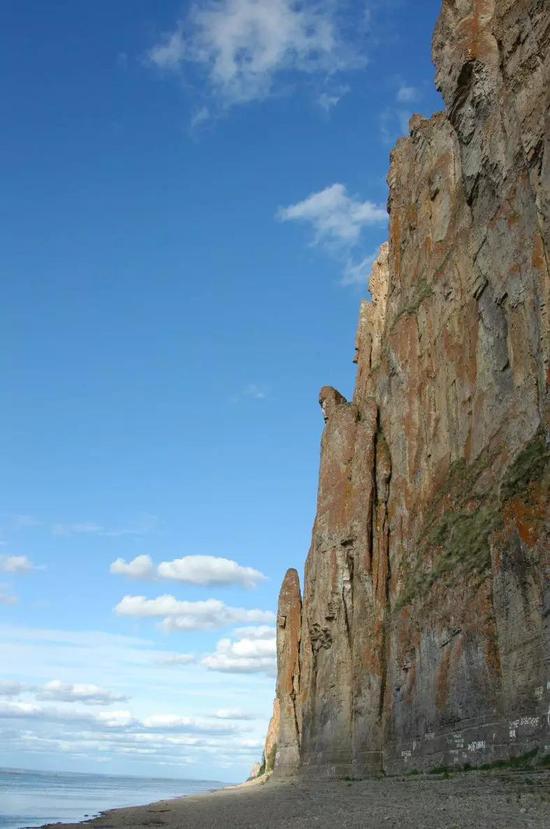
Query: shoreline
[[492, 799], [90, 819]]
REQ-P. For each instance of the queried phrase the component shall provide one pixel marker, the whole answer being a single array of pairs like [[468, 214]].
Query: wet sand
[[475, 800]]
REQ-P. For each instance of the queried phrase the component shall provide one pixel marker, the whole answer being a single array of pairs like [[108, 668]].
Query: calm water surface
[[31, 798]]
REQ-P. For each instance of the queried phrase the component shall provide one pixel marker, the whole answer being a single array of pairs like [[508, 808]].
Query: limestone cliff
[[424, 633]]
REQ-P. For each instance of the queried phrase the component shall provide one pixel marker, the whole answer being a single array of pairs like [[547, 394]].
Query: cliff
[[423, 637]]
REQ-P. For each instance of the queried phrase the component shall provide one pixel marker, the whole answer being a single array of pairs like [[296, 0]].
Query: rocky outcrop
[[424, 635], [282, 742], [270, 746], [289, 626]]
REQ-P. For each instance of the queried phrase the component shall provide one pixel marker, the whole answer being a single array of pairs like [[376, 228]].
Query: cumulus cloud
[[336, 218], [243, 46], [140, 567], [338, 221], [16, 564], [182, 615], [79, 692], [198, 570], [209, 570], [245, 655], [134, 731]]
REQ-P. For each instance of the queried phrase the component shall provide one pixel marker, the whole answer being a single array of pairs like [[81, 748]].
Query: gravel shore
[[476, 800]]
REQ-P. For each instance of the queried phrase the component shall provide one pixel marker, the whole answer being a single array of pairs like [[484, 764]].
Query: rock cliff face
[[424, 633]]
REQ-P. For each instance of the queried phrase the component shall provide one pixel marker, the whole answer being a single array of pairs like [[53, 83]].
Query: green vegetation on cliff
[[463, 516]]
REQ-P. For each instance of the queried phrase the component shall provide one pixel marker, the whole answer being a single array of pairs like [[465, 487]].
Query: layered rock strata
[[423, 638]]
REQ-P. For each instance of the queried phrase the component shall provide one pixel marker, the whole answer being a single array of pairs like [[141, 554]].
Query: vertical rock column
[[289, 623]]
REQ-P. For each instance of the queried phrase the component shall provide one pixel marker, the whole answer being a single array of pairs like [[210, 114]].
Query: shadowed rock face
[[424, 636]]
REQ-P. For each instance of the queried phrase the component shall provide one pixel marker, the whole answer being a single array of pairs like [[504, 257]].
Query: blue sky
[[191, 196]]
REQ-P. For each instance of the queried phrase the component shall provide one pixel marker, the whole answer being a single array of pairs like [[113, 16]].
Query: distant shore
[[493, 800]]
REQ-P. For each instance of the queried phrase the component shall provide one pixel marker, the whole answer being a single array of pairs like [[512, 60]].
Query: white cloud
[[177, 747], [78, 692], [169, 722], [140, 567], [407, 94], [112, 719], [246, 654], [209, 570], [33, 710], [242, 46], [182, 615], [357, 273], [255, 632], [214, 747], [175, 722], [171, 51], [198, 570], [10, 689], [16, 564], [195, 736], [233, 714], [327, 100], [12, 709], [62, 692], [337, 219], [35, 655]]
